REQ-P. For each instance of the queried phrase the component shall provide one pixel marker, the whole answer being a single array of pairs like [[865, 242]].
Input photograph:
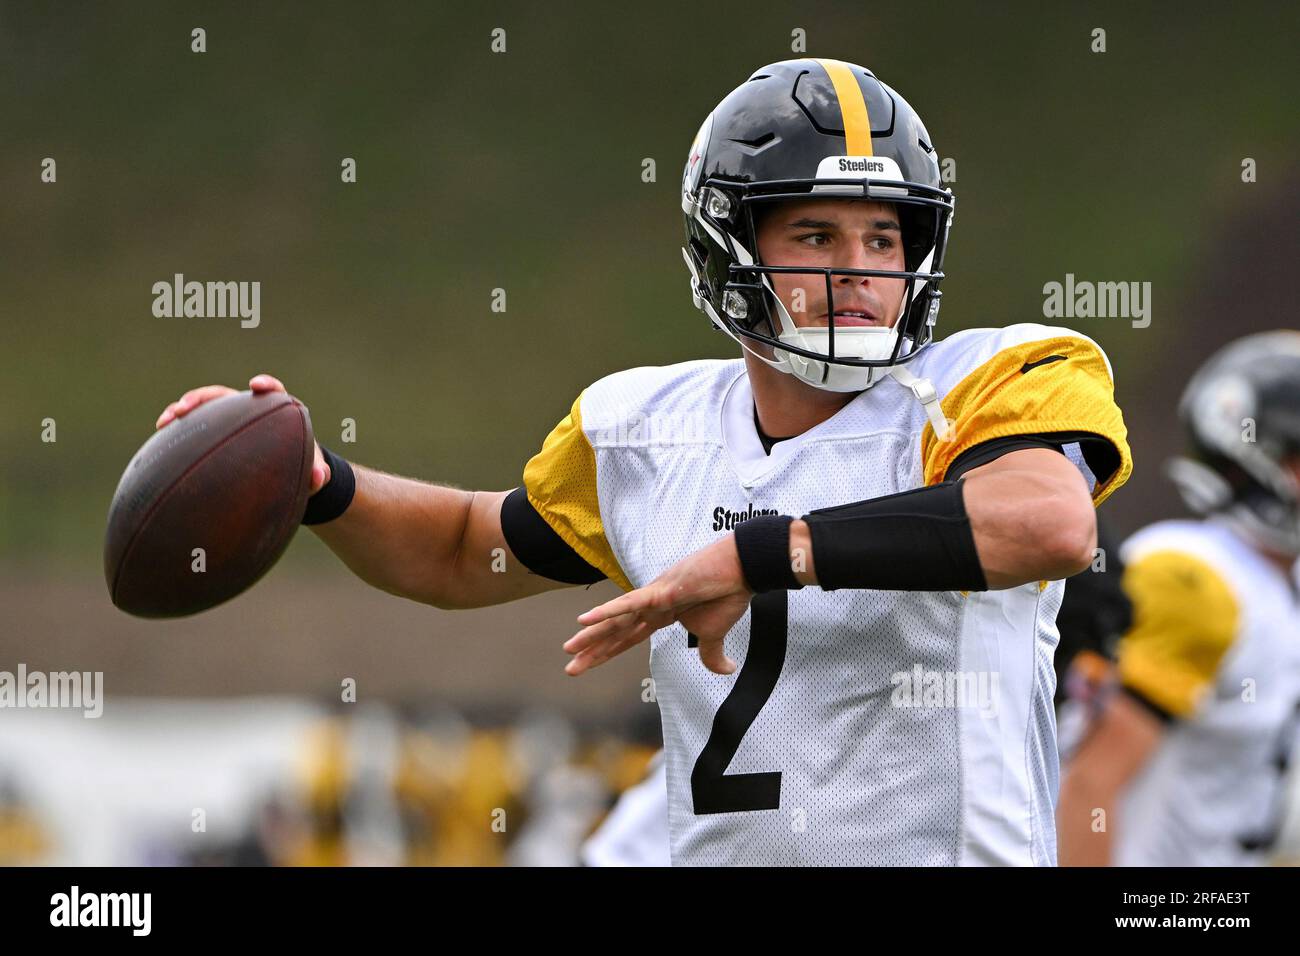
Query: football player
[[846, 546], [1183, 765], [1093, 613]]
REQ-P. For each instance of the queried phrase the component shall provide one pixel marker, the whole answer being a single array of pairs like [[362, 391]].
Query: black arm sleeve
[[918, 540], [1099, 454], [535, 543]]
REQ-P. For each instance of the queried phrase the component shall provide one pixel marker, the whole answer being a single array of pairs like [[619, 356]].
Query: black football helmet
[[804, 129], [1241, 411]]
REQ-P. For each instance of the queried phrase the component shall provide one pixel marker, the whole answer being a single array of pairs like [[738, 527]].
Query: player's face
[[840, 234]]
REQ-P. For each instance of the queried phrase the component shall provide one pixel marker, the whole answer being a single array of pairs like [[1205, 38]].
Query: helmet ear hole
[[920, 233]]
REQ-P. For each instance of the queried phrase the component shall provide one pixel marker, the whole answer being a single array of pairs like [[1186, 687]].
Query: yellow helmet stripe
[[853, 108]]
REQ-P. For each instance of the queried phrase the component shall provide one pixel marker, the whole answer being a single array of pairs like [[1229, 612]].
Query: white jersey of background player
[[636, 831], [1187, 763]]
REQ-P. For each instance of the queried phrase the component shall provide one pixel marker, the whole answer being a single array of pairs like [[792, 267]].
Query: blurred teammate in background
[[1185, 765]]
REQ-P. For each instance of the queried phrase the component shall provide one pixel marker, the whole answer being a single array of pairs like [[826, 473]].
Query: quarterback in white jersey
[[847, 546], [1186, 763], [908, 722], [827, 747]]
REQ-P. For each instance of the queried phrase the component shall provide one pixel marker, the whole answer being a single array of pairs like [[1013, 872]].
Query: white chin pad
[[874, 342], [857, 342]]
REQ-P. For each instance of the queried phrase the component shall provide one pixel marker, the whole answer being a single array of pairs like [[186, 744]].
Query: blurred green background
[[522, 171]]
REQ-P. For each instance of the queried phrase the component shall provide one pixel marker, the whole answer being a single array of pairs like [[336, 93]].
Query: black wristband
[[918, 540], [336, 494], [763, 544]]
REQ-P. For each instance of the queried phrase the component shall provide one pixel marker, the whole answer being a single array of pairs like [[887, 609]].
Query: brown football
[[208, 504]]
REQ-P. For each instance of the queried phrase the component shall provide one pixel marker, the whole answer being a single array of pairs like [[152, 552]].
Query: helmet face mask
[[772, 141]]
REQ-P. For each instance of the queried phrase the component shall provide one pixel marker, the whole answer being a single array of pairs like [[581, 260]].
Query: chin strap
[[923, 390]]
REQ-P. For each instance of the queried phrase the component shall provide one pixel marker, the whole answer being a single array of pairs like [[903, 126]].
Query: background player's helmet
[[1241, 411], [806, 129]]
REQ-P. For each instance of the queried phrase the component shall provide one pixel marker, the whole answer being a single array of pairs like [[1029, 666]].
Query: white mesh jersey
[[817, 751], [1215, 644], [636, 831]]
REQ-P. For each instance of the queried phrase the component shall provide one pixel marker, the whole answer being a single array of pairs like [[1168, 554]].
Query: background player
[[1184, 766]]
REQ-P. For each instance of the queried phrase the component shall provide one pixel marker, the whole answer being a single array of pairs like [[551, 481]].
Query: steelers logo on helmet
[[694, 164], [1224, 409], [801, 130]]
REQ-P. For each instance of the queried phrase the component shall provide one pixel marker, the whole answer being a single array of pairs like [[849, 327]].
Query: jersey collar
[[744, 449]]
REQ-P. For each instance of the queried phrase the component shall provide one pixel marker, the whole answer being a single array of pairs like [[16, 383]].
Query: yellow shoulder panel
[[1070, 393], [561, 484], [1185, 619]]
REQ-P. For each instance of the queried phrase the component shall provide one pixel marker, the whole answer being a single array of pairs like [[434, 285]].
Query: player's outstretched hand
[[706, 592], [195, 397]]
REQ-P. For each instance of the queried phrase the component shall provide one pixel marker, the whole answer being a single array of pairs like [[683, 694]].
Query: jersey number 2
[[712, 789]]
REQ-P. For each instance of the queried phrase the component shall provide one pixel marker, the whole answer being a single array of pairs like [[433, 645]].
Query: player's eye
[[826, 236], [881, 243]]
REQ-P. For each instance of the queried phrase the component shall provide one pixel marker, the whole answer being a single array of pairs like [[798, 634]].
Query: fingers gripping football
[[258, 383]]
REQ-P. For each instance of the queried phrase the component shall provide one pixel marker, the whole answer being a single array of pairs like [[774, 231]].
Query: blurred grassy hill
[[522, 171]]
